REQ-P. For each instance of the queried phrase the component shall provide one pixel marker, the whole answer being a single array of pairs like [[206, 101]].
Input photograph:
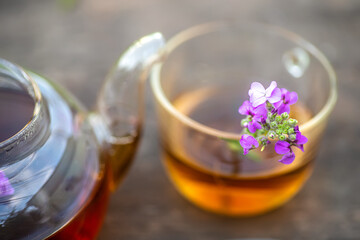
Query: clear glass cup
[[203, 78]]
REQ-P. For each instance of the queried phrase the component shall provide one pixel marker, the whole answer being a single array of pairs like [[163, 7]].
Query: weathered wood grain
[[77, 46]]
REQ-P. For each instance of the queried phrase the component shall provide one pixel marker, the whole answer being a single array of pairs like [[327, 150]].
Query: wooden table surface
[[76, 45]]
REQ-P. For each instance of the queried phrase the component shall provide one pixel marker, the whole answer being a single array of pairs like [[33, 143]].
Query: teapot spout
[[120, 106]]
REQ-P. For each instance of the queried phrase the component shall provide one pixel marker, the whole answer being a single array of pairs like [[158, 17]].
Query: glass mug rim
[[205, 28]]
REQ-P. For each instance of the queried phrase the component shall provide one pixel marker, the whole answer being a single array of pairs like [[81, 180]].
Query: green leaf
[[234, 145]]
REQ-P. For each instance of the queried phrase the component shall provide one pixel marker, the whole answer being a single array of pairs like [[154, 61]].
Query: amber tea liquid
[[213, 177]]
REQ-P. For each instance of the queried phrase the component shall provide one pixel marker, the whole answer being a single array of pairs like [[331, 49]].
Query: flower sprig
[[267, 118]]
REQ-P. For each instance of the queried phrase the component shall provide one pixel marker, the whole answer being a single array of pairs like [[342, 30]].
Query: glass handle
[[120, 106]]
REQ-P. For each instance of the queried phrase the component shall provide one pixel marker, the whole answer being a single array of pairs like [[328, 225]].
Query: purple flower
[[259, 95], [258, 114], [300, 141], [287, 99], [267, 117], [283, 147], [248, 142], [296, 128], [5, 186]]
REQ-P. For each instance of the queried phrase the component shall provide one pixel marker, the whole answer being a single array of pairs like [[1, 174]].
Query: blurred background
[[75, 42]]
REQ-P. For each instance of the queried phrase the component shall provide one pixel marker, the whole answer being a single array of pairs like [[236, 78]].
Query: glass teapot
[[58, 162]]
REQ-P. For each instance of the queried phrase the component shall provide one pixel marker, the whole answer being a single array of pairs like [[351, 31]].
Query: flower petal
[[243, 141], [284, 91], [287, 158], [253, 126], [247, 142], [278, 104], [301, 139], [275, 96], [260, 111], [296, 128], [282, 147], [257, 101], [270, 89], [253, 141], [300, 146], [292, 98], [256, 88], [244, 109], [284, 108]]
